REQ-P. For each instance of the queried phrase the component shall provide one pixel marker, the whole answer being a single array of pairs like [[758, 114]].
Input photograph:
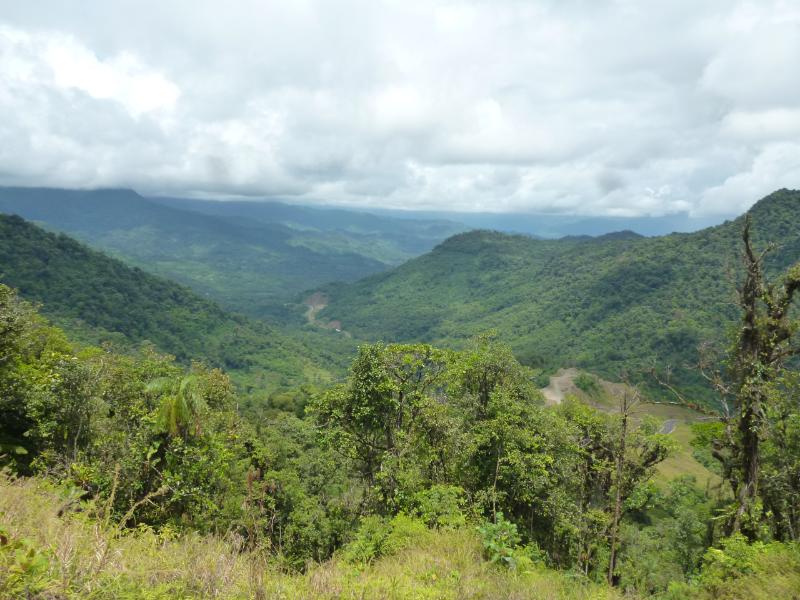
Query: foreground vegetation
[[429, 471], [79, 556], [45, 553]]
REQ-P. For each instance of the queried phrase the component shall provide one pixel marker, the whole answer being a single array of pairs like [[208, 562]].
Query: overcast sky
[[589, 107]]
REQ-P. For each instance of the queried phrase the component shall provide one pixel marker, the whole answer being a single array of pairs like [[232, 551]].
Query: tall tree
[[765, 341]]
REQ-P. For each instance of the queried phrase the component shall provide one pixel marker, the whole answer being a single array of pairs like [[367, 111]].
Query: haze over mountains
[[250, 257], [551, 225]]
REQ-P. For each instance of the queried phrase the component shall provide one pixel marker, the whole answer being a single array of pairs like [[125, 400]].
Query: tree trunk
[[749, 439], [618, 499]]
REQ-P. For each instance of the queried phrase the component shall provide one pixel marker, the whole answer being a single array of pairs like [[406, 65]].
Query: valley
[[479, 396], [251, 257]]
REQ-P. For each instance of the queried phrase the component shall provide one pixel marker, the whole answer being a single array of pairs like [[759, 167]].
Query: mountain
[[552, 226], [390, 240], [601, 304], [98, 298], [241, 256]]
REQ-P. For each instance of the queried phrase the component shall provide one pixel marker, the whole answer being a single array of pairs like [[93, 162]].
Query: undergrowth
[[77, 555]]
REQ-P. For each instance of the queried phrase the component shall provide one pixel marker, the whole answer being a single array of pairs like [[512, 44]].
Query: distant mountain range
[[606, 304], [546, 225], [250, 256], [617, 301]]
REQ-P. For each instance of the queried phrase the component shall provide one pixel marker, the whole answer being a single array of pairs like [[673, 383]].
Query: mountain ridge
[[100, 299], [249, 266], [602, 304]]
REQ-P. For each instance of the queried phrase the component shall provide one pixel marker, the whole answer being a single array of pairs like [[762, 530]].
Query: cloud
[[776, 162], [586, 108]]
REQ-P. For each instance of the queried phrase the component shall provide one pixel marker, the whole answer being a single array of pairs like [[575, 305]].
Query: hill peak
[[467, 241], [782, 199]]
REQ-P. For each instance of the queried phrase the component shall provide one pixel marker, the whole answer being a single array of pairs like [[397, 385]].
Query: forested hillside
[[252, 263], [604, 304], [99, 298]]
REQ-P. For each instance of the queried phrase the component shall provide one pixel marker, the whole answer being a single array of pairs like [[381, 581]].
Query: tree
[[386, 418], [181, 402], [764, 343], [635, 455]]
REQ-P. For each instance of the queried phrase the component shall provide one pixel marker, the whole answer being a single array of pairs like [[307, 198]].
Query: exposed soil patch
[[315, 303], [560, 385]]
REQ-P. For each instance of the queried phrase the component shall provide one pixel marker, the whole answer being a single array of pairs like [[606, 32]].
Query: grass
[[79, 556], [682, 461]]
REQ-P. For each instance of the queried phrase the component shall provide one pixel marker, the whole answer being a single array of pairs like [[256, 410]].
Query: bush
[[24, 568], [441, 506], [739, 569], [378, 537], [501, 544], [587, 384], [736, 558]]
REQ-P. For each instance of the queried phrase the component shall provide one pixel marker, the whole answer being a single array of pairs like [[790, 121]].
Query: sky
[[588, 107]]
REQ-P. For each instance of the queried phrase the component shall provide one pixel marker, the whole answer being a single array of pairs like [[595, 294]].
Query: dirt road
[[669, 426], [560, 385]]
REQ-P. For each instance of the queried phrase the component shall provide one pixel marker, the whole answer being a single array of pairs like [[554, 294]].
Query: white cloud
[[776, 162], [759, 125], [619, 108], [59, 62]]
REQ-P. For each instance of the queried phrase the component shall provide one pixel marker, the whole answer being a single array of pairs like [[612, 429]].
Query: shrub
[[739, 569], [501, 545], [378, 537], [736, 558], [587, 384], [24, 568], [441, 506]]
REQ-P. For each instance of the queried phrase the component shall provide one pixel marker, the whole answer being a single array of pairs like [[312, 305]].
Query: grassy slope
[[99, 298], [602, 304], [87, 559], [249, 263], [79, 557], [682, 461]]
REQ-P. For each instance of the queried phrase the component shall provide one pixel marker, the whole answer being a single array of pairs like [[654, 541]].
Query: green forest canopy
[[614, 303]]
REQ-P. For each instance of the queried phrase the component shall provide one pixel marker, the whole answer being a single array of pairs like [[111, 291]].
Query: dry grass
[[91, 560]]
